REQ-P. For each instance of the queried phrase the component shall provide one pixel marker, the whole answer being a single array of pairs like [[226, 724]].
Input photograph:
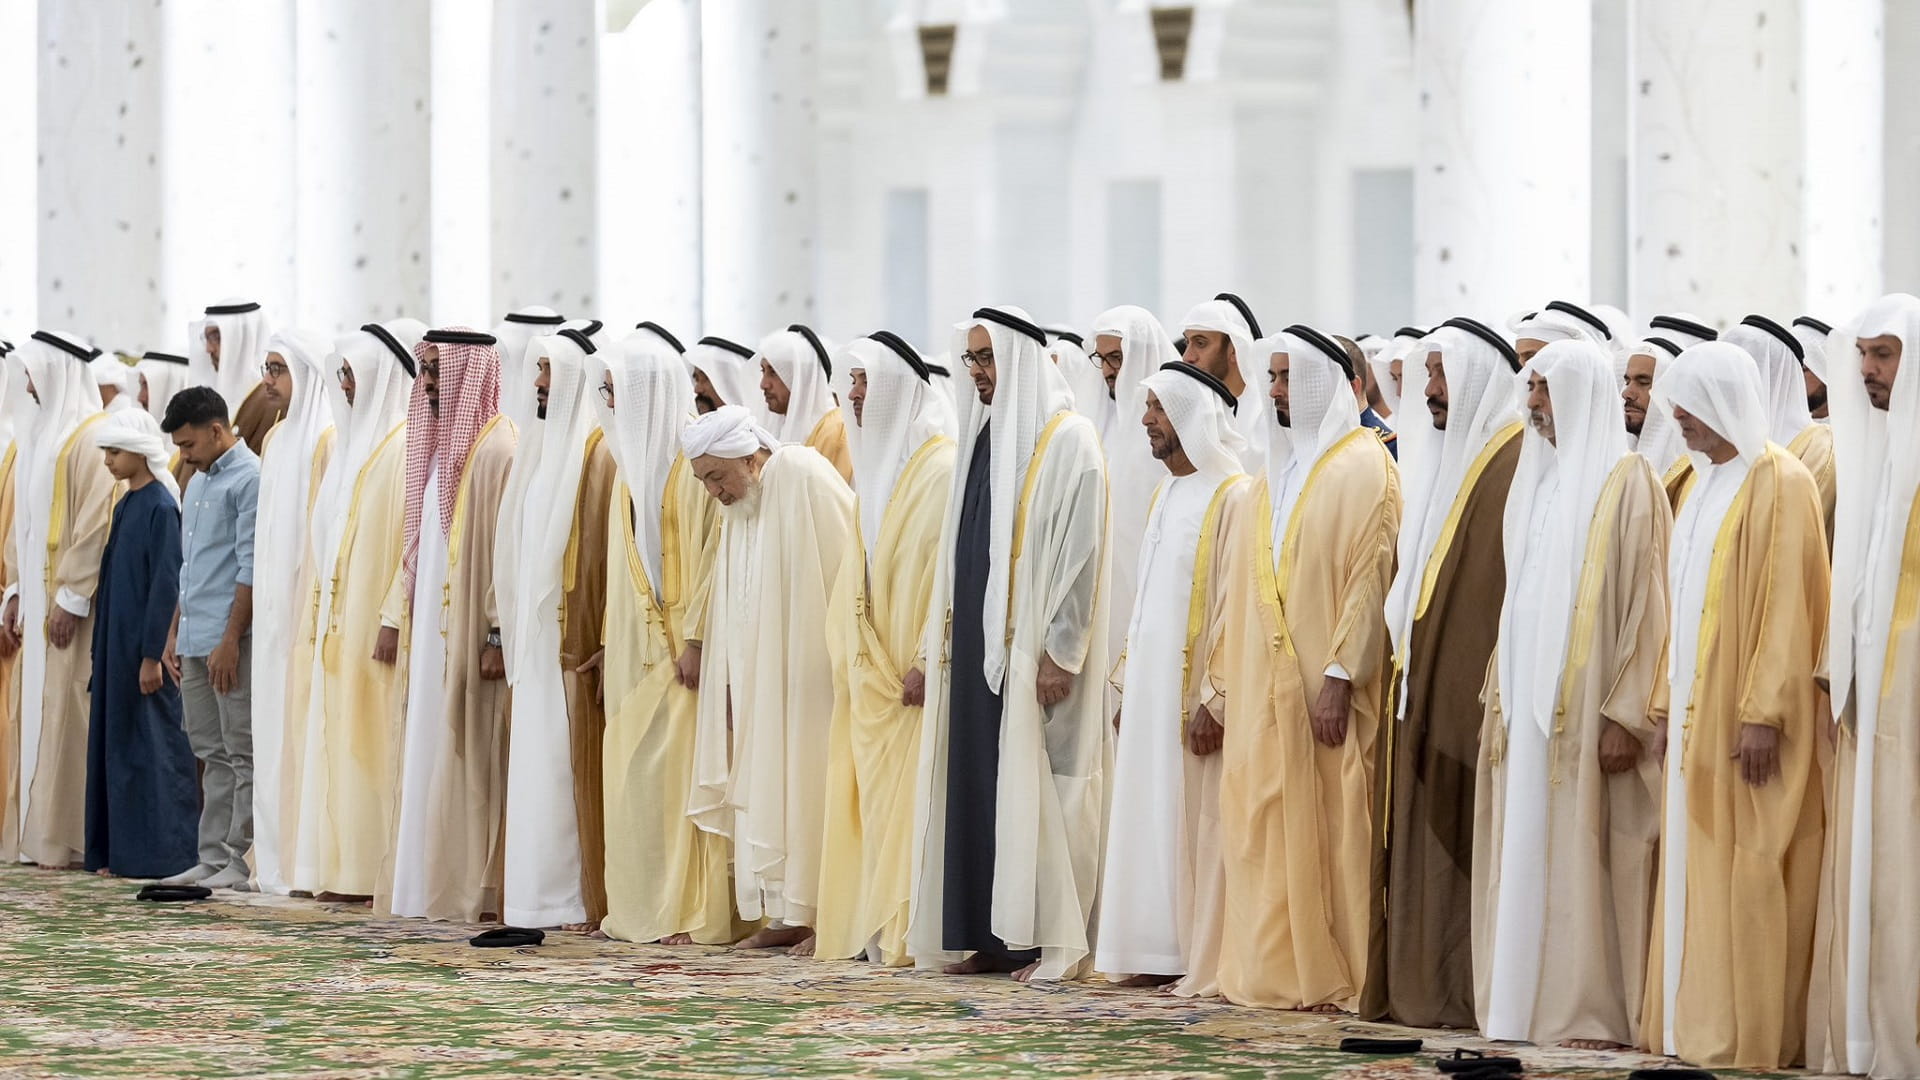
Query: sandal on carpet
[[1475, 1061], [172, 893], [1382, 1047], [507, 937], [1670, 1074]]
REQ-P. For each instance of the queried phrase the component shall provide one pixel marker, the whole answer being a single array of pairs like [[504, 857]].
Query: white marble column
[[460, 177], [19, 186], [1845, 80], [1502, 179], [227, 223], [758, 153], [545, 238], [649, 173], [1901, 235], [1718, 162], [362, 130], [100, 131]]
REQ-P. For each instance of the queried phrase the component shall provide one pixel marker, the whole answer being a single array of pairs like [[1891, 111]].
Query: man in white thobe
[[1150, 868]]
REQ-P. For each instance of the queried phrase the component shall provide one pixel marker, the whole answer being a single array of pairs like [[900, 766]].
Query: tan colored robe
[[582, 619], [468, 795], [664, 875], [1297, 816], [1814, 448], [876, 627], [1753, 854], [829, 437], [362, 700], [1421, 958], [1603, 831], [9, 680]]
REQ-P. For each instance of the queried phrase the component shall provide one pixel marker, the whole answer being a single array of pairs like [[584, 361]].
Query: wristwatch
[[493, 638]]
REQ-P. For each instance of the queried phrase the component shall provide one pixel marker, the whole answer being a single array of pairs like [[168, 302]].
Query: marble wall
[[544, 136]]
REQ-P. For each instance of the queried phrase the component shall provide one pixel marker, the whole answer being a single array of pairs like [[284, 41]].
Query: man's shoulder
[[1070, 437], [797, 463]]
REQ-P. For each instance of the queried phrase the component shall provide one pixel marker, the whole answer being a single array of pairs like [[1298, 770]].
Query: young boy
[[143, 799]]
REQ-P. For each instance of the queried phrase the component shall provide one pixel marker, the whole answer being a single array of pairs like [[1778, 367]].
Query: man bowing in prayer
[[796, 374], [1741, 829], [667, 878], [358, 691], [453, 772], [1863, 1017], [766, 678], [1015, 747], [552, 524], [1455, 466], [143, 796], [1568, 789], [1162, 868], [296, 455], [1303, 663], [903, 449], [62, 505]]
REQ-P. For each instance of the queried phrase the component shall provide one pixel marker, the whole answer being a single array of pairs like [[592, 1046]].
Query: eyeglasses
[[1107, 360], [272, 370], [983, 358], [345, 374], [606, 394]]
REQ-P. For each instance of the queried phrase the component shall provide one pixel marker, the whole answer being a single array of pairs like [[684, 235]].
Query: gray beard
[[746, 510]]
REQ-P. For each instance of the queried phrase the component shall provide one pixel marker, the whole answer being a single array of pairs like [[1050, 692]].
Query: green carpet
[[99, 985]]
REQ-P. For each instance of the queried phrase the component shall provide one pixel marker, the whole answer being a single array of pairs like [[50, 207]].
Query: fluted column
[[362, 115], [1845, 80], [460, 178], [758, 153], [649, 180], [99, 205], [1901, 232], [1502, 179], [545, 238], [227, 223], [19, 187], [1718, 164]]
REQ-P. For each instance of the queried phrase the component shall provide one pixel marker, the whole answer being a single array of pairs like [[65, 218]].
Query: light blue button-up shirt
[[217, 539]]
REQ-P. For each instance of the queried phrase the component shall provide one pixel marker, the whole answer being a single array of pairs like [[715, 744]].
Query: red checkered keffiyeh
[[469, 397]]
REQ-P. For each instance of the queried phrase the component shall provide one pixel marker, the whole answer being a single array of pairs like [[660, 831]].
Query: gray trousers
[[220, 728]]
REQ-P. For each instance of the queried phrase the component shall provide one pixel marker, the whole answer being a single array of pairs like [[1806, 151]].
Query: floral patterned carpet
[[97, 984]]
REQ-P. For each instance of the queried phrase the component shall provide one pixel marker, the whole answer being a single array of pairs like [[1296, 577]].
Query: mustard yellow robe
[[664, 876], [1753, 854], [876, 625], [829, 437], [9, 681], [1297, 816]]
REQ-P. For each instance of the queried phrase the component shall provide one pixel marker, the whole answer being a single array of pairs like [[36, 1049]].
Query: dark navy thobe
[[143, 797]]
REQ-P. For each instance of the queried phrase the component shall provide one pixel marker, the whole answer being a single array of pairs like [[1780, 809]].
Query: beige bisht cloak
[[1753, 854], [760, 775], [361, 700], [9, 679], [53, 831], [876, 630], [582, 620], [1814, 447], [1051, 790], [1297, 816], [298, 803], [665, 876], [467, 797], [829, 437], [1603, 831]]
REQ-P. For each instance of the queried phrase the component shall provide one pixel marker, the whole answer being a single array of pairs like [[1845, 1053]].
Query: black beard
[[1285, 417], [704, 403], [1817, 401], [433, 406], [540, 411]]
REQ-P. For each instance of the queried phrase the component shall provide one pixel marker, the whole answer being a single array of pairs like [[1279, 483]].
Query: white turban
[[109, 370], [137, 432], [729, 432]]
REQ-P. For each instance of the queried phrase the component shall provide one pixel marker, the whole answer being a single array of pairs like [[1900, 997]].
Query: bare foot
[[341, 898], [580, 927], [1025, 974], [677, 939], [1593, 1044], [982, 964], [103, 872], [803, 949], [489, 916], [1324, 1008], [1142, 982], [771, 938], [598, 934]]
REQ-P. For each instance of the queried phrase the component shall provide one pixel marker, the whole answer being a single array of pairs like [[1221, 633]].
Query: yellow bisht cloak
[[875, 630]]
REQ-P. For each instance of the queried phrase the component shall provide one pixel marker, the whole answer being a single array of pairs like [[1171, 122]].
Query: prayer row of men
[[1147, 660]]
